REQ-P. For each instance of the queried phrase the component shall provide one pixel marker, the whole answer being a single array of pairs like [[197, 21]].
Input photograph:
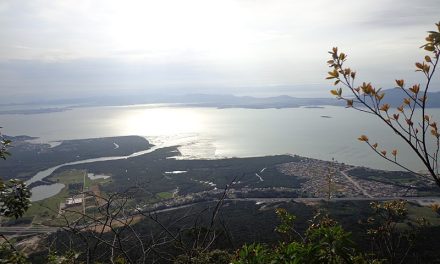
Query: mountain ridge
[[394, 97]]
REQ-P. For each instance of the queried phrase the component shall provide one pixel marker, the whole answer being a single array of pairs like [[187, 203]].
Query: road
[[428, 199], [84, 193], [356, 184], [27, 230]]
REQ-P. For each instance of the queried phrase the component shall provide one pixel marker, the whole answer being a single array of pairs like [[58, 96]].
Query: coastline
[[314, 168]]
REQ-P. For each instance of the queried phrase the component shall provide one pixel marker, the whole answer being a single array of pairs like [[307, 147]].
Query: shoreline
[[42, 181], [158, 146]]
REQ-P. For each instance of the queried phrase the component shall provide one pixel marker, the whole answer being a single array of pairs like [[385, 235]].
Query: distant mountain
[[395, 97], [213, 100], [195, 100], [231, 101]]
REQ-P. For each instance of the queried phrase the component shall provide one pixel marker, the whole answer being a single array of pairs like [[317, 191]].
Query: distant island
[[394, 97], [32, 111]]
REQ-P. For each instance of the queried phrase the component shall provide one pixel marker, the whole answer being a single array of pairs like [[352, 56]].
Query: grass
[[72, 176], [47, 209], [164, 195]]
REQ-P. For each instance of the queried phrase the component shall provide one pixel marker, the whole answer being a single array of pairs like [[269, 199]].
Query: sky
[[69, 49]]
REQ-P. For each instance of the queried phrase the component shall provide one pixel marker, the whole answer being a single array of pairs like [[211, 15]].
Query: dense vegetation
[[22, 164]]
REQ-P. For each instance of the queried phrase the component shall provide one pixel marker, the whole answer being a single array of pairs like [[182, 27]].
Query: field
[[47, 210]]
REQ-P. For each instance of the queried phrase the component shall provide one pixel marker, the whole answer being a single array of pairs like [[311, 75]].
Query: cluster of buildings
[[380, 189], [321, 177], [72, 202]]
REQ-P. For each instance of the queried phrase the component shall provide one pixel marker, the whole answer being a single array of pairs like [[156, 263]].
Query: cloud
[[95, 46]]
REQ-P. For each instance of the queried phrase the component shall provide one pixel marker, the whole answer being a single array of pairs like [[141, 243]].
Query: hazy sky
[[57, 49]]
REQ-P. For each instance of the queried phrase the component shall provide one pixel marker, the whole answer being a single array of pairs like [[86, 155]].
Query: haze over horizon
[[62, 49]]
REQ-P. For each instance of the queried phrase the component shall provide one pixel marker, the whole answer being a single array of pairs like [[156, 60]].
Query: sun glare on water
[[161, 121]]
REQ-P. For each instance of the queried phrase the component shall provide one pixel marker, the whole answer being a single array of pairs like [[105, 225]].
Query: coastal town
[[333, 179], [327, 180]]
